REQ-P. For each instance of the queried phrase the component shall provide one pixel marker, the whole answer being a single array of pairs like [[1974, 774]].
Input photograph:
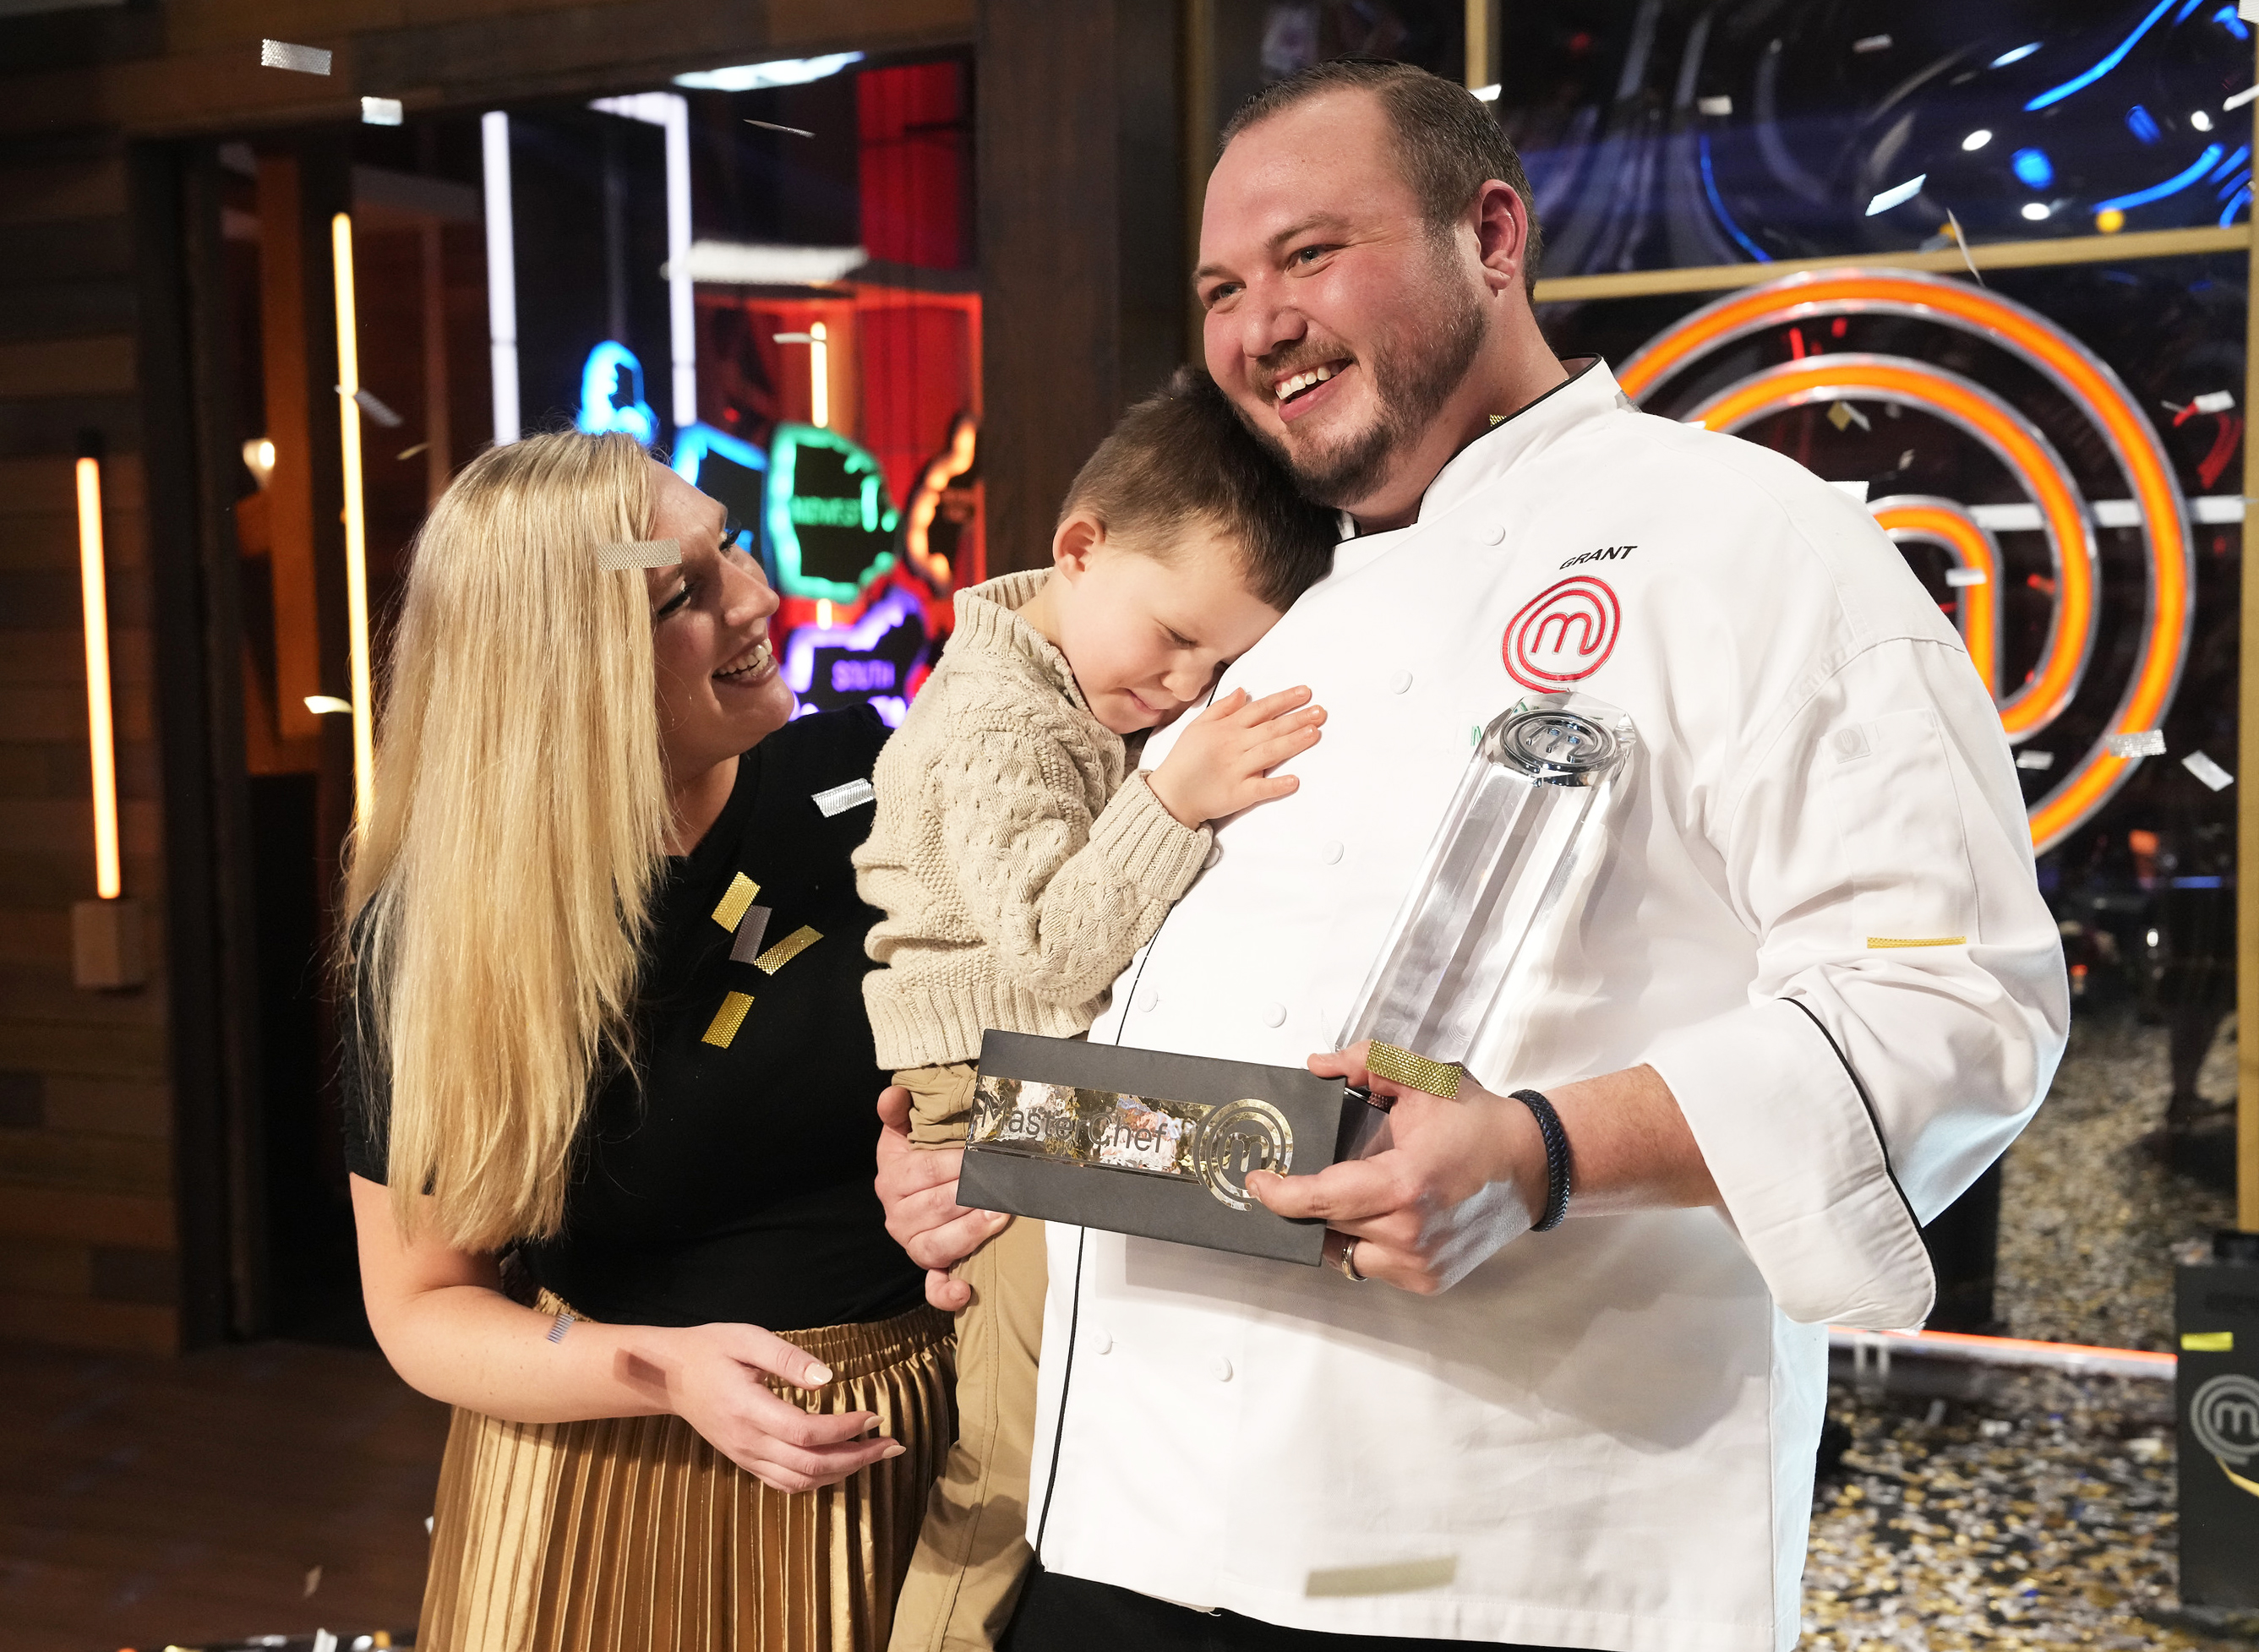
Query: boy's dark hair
[[1181, 455], [1448, 141]]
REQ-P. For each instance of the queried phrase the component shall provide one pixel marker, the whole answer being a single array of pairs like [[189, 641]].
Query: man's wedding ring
[[1345, 1261]]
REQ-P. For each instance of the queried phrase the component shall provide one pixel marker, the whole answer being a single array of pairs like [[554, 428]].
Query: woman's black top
[[734, 1182]]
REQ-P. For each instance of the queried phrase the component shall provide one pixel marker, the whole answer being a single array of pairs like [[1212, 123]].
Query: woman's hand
[[1222, 762], [711, 1377]]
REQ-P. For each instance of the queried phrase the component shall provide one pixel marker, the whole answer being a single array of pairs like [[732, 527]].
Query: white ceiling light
[[2037, 210], [1977, 140], [2201, 121], [784, 71]]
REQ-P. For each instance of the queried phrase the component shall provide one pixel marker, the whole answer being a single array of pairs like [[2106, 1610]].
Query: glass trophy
[[1503, 879]]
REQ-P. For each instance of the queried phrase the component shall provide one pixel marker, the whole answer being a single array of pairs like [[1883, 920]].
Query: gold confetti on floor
[[2040, 1515]]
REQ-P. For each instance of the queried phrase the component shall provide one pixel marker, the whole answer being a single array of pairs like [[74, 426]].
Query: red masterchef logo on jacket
[[1563, 635]]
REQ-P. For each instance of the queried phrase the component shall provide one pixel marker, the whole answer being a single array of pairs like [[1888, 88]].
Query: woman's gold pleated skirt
[[633, 1534]]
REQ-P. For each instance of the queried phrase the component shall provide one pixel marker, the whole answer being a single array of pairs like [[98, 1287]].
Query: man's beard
[[1413, 377]]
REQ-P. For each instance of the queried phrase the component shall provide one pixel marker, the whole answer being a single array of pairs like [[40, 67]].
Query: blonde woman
[[578, 1032]]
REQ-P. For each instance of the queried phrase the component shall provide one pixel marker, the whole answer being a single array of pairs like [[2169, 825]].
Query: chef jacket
[[1604, 1436]]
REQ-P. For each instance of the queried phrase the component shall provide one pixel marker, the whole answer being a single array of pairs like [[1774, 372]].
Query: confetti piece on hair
[[2142, 742], [1966, 576], [2039, 760], [410, 453], [751, 929], [1401, 1577], [313, 1581], [732, 911], [366, 402], [305, 60], [787, 950], [728, 1018], [840, 799], [2207, 771], [2214, 402], [640, 553], [380, 111], [770, 125]]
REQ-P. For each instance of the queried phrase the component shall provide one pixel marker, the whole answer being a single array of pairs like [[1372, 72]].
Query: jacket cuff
[[1801, 1166], [1157, 853]]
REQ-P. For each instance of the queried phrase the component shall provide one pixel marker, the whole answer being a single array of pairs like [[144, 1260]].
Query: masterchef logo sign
[[1564, 634]]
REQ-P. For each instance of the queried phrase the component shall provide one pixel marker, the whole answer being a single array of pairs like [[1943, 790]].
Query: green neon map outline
[[784, 535]]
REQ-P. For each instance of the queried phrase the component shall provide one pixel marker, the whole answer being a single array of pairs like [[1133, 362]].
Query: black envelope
[[1146, 1142]]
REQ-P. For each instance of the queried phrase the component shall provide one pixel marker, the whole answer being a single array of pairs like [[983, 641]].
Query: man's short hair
[[1182, 456], [1448, 141]]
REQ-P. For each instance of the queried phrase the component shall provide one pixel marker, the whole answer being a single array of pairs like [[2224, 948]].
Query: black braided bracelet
[[1557, 1161]]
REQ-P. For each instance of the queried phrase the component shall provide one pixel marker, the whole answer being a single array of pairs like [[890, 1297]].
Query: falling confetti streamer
[[303, 59], [2140, 742], [1958, 577], [770, 125], [2041, 761], [2207, 771]]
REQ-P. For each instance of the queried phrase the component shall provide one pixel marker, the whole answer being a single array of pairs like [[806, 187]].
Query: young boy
[[1021, 859]]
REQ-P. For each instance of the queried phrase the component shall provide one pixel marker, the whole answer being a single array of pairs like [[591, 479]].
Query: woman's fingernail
[[893, 1451], [819, 1374]]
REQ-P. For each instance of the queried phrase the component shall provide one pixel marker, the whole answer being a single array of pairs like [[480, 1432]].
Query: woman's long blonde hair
[[498, 896]]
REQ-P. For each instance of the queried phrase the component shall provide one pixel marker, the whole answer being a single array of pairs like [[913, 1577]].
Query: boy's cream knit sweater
[[1017, 872]]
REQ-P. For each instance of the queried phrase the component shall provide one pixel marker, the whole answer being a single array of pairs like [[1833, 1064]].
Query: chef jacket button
[[1274, 1014], [1494, 533], [1148, 999], [1214, 854], [1100, 1342], [1331, 853], [1220, 1368], [1400, 682]]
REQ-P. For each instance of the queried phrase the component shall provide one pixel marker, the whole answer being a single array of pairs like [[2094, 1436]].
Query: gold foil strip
[[1879, 942], [787, 950], [1401, 1067], [732, 911], [640, 553], [727, 1020]]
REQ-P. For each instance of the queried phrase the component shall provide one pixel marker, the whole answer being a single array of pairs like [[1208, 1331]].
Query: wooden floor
[[145, 1502]]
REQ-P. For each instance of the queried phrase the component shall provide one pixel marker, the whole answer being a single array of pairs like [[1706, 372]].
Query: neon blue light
[[602, 392], [2173, 185], [1725, 217], [2019, 54], [2080, 82], [2141, 124], [2228, 19], [2033, 167], [2243, 199], [2187, 12], [2229, 165], [693, 442], [2234, 184]]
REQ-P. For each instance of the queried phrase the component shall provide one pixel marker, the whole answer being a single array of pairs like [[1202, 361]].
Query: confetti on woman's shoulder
[[2142, 742], [306, 59], [839, 799], [2207, 771], [640, 553]]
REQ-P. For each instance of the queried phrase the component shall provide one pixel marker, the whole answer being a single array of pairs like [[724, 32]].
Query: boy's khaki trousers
[[973, 1553]]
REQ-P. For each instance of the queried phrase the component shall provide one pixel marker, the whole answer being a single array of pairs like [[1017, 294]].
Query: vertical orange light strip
[[364, 720], [1980, 603], [94, 591]]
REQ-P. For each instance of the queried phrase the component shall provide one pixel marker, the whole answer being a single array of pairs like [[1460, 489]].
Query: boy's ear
[[1079, 536]]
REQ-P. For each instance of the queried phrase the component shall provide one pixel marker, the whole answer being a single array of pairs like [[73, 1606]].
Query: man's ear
[[1079, 536], [1501, 226]]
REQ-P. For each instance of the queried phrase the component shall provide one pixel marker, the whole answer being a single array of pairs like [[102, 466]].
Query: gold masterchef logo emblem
[[1237, 1139]]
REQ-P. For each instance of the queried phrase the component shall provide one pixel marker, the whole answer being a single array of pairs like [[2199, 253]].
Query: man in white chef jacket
[[1813, 993]]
